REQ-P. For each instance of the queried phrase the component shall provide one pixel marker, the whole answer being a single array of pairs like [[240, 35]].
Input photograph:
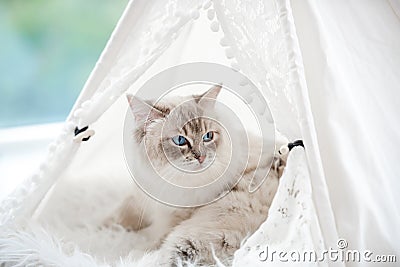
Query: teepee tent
[[321, 84]]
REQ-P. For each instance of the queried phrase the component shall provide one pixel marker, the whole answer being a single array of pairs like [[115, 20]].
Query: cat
[[189, 148]]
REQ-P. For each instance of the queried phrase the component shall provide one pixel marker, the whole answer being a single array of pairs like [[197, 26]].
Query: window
[[48, 48]]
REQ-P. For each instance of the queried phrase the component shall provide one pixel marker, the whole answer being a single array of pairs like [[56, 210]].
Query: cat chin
[[194, 166]]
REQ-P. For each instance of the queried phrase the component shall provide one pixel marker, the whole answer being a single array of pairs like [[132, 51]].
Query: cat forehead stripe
[[195, 125]]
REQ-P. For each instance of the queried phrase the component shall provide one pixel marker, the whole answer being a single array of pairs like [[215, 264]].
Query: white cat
[[188, 147]]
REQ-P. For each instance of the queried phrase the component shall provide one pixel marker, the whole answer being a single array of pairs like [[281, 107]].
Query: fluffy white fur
[[196, 234], [36, 246], [63, 243]]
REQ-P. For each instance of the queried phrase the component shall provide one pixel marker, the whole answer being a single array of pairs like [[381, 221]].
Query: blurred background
[[48, 48], [47, 51]]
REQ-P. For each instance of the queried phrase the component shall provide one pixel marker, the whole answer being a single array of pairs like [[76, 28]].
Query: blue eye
[[208, 137], [179, 140]]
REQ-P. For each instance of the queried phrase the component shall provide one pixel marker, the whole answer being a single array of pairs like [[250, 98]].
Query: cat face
[[180, 133], [193, 145]]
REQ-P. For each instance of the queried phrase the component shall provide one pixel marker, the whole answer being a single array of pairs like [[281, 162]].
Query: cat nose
[[201, 159]]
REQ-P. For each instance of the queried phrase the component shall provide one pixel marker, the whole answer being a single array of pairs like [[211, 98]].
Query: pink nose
[[201, 159]]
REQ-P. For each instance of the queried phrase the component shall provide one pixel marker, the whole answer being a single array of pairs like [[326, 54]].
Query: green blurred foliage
[[47, 50]]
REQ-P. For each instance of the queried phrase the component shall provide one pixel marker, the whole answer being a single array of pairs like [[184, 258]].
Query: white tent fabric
[[351, 52], [336, 177]]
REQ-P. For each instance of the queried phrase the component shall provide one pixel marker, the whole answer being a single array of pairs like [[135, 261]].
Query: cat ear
[[143, 111], [207, 100]]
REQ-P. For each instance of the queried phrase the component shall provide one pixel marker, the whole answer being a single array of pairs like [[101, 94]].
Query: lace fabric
[[255, 42]]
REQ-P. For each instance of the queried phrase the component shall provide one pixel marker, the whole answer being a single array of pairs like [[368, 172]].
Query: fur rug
[[38, 246]]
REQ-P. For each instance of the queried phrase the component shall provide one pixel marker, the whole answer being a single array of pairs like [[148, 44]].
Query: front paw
[[279, 164], [201, 250], [185, 252], [182, 252]]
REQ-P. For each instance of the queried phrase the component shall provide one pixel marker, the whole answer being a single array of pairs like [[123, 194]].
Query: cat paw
[[185, 252], [201, 250], [278, 165]]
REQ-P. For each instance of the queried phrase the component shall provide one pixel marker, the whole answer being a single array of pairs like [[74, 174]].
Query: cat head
[[181, 133]]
